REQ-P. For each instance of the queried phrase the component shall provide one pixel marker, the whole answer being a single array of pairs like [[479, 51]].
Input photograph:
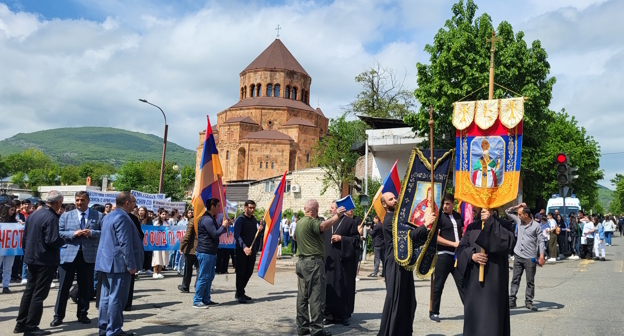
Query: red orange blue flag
[[272, 217], [208, 182], [392, 183]]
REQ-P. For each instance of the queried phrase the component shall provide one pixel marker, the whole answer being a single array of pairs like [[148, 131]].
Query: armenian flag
[[208, 183], [266, 265], [465, 209], [392, 184]]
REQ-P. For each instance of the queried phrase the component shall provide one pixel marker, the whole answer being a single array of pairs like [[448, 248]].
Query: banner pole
[[432, 200], [371, 207]]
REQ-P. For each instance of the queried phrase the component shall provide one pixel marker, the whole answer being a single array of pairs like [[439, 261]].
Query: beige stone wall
[[310, 182], [359, 166], [273, 154]]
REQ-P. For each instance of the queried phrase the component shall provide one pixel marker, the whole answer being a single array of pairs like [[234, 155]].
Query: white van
[[573, 205]]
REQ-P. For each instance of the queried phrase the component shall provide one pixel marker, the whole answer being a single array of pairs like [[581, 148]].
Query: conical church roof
[[276, 56]]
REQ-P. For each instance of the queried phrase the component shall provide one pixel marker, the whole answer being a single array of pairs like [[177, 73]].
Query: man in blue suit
[[118, 258], [81, 230]]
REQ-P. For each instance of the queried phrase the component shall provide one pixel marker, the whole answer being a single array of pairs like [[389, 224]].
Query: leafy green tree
[[597, 209], [383, 95], [187, 177], [70, 174], [27, 160], [618, 183], [459, 68], [564, 134], [19, 178], [333, 152], [96, 170], [373, 186], [145, 176]]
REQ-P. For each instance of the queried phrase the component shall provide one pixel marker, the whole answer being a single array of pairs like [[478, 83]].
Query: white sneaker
[[53, 285], [24, 281], [552, 260], [158, 276]]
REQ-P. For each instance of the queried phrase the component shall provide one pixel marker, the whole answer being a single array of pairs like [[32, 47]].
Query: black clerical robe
[[341, 269], [400, 304], [486, 305]]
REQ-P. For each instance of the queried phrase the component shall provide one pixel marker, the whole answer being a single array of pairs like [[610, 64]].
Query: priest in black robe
[[400, 304], [486, 304], [341, 246]]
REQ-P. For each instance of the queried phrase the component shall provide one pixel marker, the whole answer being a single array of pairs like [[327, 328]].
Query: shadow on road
[[154, 305], [541, 305]]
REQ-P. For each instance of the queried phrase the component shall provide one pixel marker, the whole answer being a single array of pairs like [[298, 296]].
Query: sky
[[70, 63]]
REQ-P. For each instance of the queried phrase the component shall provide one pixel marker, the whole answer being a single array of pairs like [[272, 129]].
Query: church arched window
[[307, 158], [294, 93], [266, 165], [269, 90], [252, 88], [272, 166], [260, 165], [259, 90], [287, 92], [227, 155], [276, 91]]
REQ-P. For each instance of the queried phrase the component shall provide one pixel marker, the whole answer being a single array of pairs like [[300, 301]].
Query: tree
[[618, 183], [70, 174], [597, 209], [96, 170], [145, 176], [27, 160], [187, 177], [459, 69], [564, 135], [333, 152], [383, 94]]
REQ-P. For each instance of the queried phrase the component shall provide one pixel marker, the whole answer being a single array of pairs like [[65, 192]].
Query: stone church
[[272, 128]]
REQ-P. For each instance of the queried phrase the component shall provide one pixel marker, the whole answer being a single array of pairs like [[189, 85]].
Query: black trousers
[[244, 269], [16, 270], [130, 293], [223, 260], [37, 290], [147, 260], [84, 275], [293, 247], [521, 265], [443, 267], [191, 260]]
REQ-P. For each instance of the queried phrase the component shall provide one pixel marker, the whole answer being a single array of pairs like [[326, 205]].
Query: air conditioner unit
[[295, 188]]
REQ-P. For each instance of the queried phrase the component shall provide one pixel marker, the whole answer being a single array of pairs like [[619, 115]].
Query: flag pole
[[225, 215], [432, 200], [371, 207]]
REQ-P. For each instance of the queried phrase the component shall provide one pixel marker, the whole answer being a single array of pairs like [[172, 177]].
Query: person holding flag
[[246, 229], [310, 268]]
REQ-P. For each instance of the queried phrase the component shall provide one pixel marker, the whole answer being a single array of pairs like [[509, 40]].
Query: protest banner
[[11, 239], [162, 238], [139, 194], [157, 204], [99, 197]]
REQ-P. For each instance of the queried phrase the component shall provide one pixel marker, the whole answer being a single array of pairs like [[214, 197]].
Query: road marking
[[618, 266]]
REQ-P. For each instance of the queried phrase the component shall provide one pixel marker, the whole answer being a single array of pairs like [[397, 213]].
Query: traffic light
[[357, 185], [572, 174], [563, 169]]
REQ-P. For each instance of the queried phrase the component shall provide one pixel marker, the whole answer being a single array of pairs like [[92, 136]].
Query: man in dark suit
[[118, 258], [450, 229], [81, 230], [41, 243]]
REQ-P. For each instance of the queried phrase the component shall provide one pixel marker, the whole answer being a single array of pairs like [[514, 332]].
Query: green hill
[[77, 145], [605, 196]]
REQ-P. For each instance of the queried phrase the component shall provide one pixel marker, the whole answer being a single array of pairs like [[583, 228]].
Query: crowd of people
[[100, 246]]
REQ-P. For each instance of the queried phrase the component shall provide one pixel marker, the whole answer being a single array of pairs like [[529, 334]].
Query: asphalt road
[[574, 298]]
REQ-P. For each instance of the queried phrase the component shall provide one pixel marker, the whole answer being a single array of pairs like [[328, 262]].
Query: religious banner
[[489, 146], [415, 204]]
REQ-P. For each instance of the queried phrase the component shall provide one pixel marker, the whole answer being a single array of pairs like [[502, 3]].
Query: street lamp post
[[162, 162]]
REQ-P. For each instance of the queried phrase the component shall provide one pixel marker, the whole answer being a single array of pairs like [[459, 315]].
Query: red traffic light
[[561, 158]]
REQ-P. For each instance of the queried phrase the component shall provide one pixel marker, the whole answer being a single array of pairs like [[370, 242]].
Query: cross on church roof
[[278, 29]]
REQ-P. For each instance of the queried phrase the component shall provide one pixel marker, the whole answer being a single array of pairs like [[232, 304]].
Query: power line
[[613, 153]]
